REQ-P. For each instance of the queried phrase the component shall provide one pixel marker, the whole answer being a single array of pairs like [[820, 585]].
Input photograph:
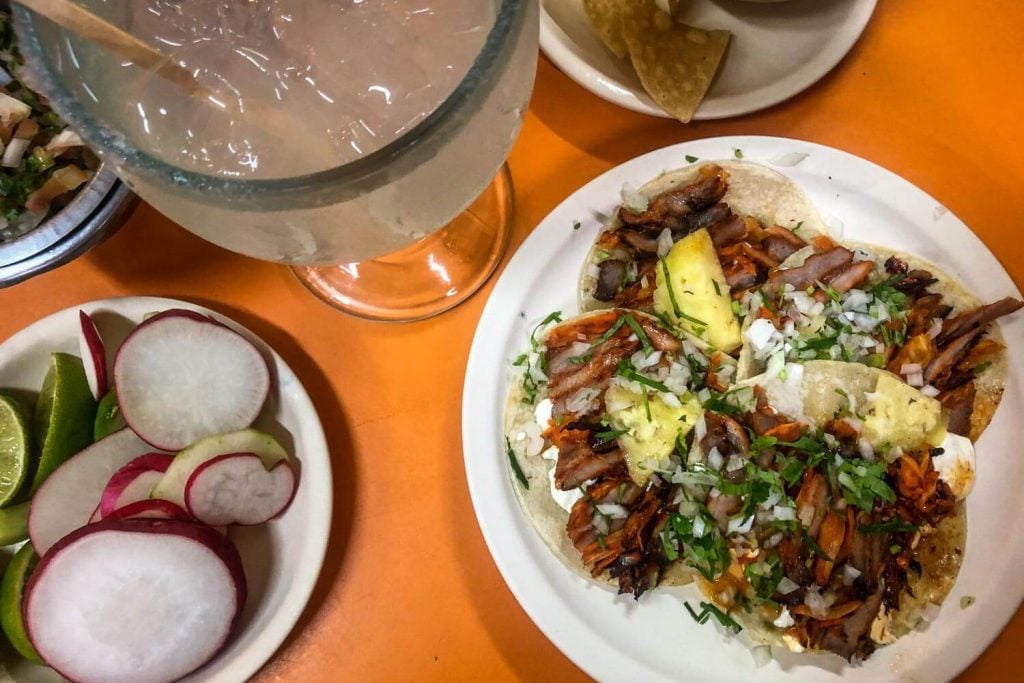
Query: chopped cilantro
[[639, 331], [671, 290], [515, 464], [609, 435], [691, 159], [816, 549], [737, 152], [889, 526], [862, 482], [708, 611], [718, 291], [576, 225]]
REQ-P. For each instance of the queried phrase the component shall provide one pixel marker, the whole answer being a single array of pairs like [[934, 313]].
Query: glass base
[[426, 278]]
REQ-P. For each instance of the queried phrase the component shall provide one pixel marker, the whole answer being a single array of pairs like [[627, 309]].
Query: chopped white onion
[[736, 462], [670, 399], [715, 459], [688, 508], [759, 333], [740, 526], [936, 328], [641, 360], [14, 152], [784, 620], [613, 511], [774, 540], [534, 440], [633, 200], [700, 429], [814, 602], [867, 451], [850, 574], [787, 586], [910, 368], [930, 391], [664, 243], [915, 379], [784, 514], [698, 527]]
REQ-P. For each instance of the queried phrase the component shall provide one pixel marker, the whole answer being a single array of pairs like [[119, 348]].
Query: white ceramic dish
[[282, 558], [614, 639], [777, 50]]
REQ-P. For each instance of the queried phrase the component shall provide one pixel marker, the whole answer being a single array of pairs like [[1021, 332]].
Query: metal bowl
[[96, 212]]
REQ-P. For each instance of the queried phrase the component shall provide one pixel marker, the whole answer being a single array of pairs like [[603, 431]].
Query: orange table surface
[[409, 592]]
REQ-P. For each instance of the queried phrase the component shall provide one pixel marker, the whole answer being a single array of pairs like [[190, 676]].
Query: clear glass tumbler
[[402, 233]]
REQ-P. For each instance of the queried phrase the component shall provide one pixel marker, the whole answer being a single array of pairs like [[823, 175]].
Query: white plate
[[777, 50], [614, 639], [282, 558]]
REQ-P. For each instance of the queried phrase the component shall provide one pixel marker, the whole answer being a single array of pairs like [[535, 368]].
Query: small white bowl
[[778, 49], [282, 558]]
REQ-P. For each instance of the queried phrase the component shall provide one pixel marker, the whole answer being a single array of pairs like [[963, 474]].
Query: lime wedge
[[11, 590], [14, 524], [64, 415], [108, 417], [15, 446]]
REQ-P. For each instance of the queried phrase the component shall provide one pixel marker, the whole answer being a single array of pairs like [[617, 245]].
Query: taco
[[823, 507], [598, 416], [864, 304], [720, 226]]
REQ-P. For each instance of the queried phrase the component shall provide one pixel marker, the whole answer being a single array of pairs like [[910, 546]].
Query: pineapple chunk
[[697, 283], [648, 443], [900, 415]]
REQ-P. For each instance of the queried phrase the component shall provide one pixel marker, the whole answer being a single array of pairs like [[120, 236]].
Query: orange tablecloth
[[409, 592]]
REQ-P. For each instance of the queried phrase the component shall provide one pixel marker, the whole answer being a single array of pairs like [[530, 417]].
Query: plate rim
[[496, 530], [266, 643], [558, 48]]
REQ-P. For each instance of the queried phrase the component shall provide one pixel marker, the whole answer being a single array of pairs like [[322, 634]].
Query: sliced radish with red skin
[[151, 509], [236, 488], [134, 601], [181, 377], [172, 486], [68, 497], [94, 355], [134, 482]]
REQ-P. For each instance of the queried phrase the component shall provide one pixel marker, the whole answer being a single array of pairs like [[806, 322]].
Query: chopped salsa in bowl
[[43, 163]]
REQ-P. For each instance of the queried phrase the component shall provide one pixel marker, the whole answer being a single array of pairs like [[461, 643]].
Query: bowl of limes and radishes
[[165, 495]]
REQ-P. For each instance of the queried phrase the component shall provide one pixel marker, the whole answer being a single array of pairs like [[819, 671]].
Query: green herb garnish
[[709, 611], [889, 526], [515, 464]]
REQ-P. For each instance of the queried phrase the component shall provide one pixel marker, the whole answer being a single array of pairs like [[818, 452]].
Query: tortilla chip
[[606, 16], [675, 62]]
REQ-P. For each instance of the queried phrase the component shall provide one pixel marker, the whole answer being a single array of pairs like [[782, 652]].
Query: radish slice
[[68, 497], [94, 355], [137, 601], [133, 482], [172, 486], [237, 489], [151, 509], [181, 377]]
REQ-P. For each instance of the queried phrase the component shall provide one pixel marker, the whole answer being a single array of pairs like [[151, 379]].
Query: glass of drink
[[362, 142]]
